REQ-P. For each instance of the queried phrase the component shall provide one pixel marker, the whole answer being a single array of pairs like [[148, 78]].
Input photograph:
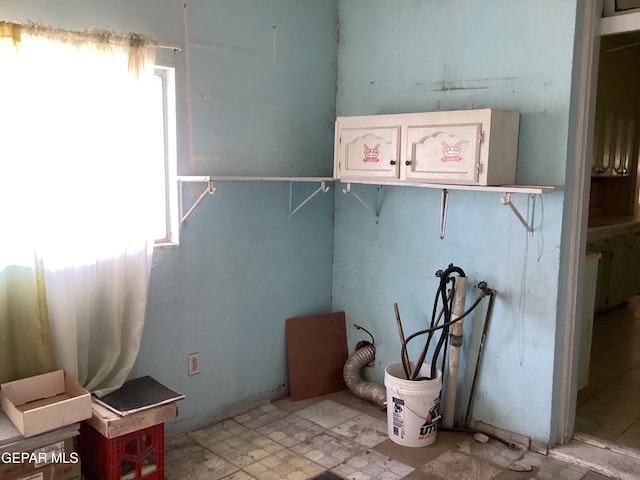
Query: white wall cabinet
[[464, 147]]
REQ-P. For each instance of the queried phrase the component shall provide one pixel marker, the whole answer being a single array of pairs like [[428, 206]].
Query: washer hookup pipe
[[455, 344]]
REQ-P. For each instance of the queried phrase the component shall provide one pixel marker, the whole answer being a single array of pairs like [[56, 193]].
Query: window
[[90, 150], [87, 156]]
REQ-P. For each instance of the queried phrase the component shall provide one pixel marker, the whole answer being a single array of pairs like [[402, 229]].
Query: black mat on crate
[[327, 476], [139, 394]]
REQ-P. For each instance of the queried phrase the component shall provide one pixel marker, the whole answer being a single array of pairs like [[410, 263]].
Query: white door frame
[[578, 210], [593, 28]]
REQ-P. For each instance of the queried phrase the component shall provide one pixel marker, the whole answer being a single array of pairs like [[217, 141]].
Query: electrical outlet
[[194, 363]]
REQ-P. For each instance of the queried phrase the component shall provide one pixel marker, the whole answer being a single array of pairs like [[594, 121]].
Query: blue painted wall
[[243, 267], [410, 56], [263, 83], [260, 100]]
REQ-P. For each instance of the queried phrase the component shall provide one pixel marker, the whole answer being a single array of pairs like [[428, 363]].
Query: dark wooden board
[[316, 351]]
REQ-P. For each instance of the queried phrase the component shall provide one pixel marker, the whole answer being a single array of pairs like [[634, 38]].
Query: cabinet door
[[634, 270], [608, 143], [618, 288], [632, 262], [598, 145], [602, 282], [614, 144], [369, 152], [444, 153]]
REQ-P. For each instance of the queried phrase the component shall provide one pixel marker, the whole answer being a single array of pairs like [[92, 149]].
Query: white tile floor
[[270, 442], [347, 437], [609, 407]]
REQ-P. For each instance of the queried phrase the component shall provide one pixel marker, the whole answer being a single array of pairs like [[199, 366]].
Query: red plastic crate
[[134, 456]]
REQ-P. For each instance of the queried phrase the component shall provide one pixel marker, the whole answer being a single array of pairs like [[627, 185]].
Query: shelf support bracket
[[506, 200], [443, 212], [210, 190], [322, 188], [373, 212]]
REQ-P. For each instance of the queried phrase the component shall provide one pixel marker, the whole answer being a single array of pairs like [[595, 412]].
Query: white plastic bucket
[[412, 406]]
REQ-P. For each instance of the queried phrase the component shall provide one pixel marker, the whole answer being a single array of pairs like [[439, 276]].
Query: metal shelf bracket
[[322, 188], [443, 212], [210, 190], [506, 200], [376, 212]]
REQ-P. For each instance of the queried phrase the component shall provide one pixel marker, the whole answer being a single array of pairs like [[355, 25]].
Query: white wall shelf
[[506, 190], [211, 189], [482, 188]]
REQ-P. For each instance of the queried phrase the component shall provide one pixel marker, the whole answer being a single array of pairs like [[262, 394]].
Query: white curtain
[[79, 146]]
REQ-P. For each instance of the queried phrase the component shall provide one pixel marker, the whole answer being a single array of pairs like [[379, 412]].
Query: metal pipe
[[485, 328]]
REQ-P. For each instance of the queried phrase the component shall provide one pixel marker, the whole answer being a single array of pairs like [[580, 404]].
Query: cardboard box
[[44, 402], [22, 463], [112, 425], [54, 471]]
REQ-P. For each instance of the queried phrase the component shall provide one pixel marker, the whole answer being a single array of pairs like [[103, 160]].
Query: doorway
[[608, 406]]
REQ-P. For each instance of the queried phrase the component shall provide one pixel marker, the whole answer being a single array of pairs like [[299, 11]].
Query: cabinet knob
[[392, 162], [407, 163]]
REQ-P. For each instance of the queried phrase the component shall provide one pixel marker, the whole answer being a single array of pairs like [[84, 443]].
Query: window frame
[[172, 222]]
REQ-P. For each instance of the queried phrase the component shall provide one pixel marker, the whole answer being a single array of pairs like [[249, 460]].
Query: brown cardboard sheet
[[316, 351]]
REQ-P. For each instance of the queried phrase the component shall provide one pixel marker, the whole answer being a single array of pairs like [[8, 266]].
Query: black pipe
[[439, 327], [434, 321], [445, 277], [445, 332]]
